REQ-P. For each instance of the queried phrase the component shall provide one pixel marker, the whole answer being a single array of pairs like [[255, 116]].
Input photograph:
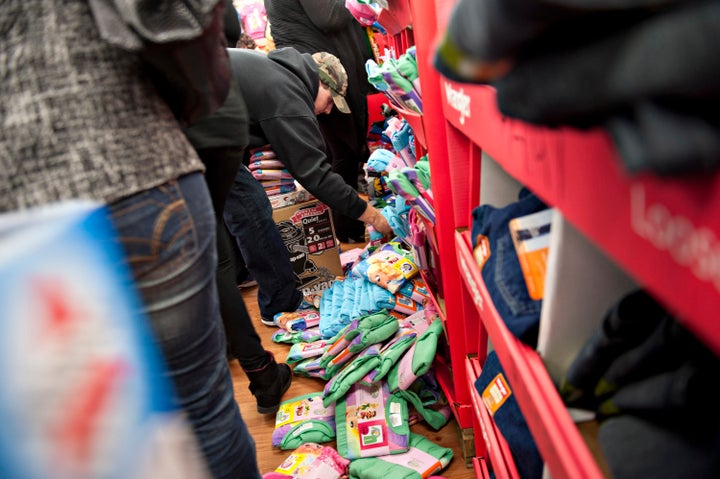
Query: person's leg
[[244, 343], [243, 278], [268, 379], [248, 215], [221, 164], [168, 234]]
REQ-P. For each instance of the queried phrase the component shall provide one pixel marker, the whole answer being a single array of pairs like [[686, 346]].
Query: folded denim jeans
[[493, 384], [501, 271]]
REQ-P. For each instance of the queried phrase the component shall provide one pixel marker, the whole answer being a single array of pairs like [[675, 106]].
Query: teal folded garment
[[371, 329], [396, 222], [423, 459], [389, 356], [417, 360], [339, 385], [326, 311], [407, 66], [432, 417], [395, 79], [423, 172], [357, 306], [330, 306], [348, 301], [376, 296], [378, 160]]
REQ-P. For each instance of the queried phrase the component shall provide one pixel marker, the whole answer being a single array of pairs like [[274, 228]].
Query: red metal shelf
[[415, 120], [397, 18], [556, 436], [663, 231]]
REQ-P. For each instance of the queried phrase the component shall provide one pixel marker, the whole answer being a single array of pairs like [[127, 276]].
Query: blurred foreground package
[[83, 393]]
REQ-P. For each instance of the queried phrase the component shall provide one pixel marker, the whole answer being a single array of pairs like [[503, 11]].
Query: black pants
[[243, 341]]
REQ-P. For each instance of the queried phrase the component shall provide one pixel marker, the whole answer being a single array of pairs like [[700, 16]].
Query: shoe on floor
[[268, 322], [248, 283], [304, 305], [268, 384]]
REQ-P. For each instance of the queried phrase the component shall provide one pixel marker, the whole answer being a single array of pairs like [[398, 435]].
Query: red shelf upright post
[[425, 28]]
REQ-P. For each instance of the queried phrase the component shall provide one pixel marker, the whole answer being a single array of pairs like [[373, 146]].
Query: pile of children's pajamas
[[372, 337]]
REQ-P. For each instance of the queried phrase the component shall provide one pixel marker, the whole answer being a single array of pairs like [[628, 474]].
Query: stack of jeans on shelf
[[501, 271], [508, 418]]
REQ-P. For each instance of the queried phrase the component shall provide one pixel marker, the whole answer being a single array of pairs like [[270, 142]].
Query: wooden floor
[[261, 426]]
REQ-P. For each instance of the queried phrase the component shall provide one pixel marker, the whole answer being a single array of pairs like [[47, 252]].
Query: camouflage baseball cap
[[333, 75]]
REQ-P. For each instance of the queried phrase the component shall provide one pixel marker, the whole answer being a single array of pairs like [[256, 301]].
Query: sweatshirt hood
[[300, 64]]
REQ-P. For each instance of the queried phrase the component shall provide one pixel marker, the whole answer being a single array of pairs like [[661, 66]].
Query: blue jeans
[[510, 421], [248, 215], [168, 234], [502, 272]]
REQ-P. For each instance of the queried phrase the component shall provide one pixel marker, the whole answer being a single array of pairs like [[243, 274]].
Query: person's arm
[[374, 218], [298, 143], [327, 15]]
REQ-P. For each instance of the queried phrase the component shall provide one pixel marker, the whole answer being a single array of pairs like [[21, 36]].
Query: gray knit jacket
[[79, 118]]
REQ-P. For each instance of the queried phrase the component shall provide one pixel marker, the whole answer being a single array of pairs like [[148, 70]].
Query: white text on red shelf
[[458, 100], [696, 248], [470, 281]]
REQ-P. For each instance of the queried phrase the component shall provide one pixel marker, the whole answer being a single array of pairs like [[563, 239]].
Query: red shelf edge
[[555, 434], [396, 20], [480, 467], [415, 120]]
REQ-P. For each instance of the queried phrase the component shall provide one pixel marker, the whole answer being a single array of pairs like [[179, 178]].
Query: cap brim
[[340, 102]]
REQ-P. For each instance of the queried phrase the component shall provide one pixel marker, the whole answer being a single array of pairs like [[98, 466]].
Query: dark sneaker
[[304, 305], [268, 322], [248, 283], [268, 386]]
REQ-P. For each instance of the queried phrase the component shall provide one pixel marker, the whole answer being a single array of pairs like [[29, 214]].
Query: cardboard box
[[309, 235]]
